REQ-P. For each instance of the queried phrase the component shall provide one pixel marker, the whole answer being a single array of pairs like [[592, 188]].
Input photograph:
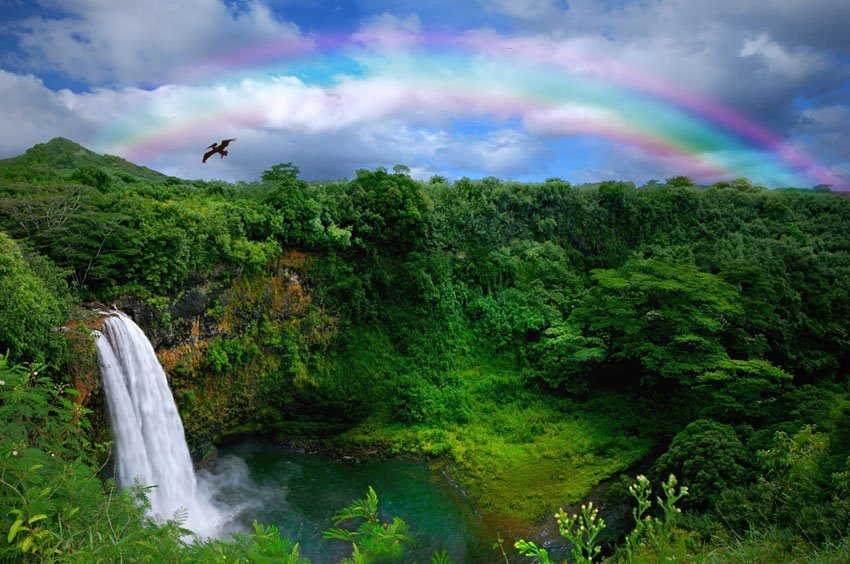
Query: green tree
[[663, 320], [29, 311], [297, 218], [742, 389], [708, 456], [680, 181], [391, 211], [93, 176], [283, 174], [566, 357]]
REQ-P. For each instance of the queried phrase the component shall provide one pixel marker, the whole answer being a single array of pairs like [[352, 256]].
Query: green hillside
[[63, 160]]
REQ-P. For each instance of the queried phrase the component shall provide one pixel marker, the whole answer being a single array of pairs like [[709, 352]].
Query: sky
[[585, 90]]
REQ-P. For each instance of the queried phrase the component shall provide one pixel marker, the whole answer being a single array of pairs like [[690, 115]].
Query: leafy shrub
[[264, 545], [224, 355], [708, 456], [93, 176], [418, 400], [372, 541], [29, 310]]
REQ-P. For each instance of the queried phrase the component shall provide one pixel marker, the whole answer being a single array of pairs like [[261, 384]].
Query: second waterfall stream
[[149, 440]]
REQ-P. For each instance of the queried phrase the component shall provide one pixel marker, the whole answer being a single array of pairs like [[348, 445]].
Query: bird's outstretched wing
[[217, 148]]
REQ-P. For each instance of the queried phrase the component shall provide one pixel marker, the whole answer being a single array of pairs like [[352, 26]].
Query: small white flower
[[2, 383], [14, 453]]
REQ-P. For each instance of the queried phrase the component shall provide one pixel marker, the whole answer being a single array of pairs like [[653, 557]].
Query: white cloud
[[779, 59], [32, 113], [104, 41], [572, 119], [833, 117], [388, 31], [504, 152], [329, 133], [338, 153]]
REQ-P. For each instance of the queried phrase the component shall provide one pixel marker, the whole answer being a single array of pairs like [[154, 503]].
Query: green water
[[299, 493]]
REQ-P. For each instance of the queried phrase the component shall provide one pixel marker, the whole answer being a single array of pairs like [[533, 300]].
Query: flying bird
[[217, 148]]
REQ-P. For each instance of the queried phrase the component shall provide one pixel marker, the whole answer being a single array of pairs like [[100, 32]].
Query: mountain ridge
[[62, 159]]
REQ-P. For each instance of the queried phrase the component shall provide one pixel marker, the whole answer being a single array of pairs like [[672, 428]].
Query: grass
[[519, 455]]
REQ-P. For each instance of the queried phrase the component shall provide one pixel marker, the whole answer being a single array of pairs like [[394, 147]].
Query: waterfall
[[149, 439]]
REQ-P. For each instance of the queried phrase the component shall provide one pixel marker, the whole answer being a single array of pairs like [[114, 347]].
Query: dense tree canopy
[[514, 327], [30, 310]]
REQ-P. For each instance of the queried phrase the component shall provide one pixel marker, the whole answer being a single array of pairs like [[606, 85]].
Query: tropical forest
[[392, 369]]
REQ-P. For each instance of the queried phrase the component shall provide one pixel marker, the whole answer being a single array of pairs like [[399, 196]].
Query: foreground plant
[[264, 546], [372, 541], [647, 528], [581, 529]]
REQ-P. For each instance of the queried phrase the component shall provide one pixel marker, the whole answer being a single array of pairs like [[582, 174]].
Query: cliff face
[[236, 354]]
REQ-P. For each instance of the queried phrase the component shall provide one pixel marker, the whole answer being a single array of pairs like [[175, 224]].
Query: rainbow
[[431, 79]]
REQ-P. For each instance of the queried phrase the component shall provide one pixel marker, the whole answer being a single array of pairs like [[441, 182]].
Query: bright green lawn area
[[519, 455]]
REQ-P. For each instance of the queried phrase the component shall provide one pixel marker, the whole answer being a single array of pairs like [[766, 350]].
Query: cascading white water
[[149, 438]]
